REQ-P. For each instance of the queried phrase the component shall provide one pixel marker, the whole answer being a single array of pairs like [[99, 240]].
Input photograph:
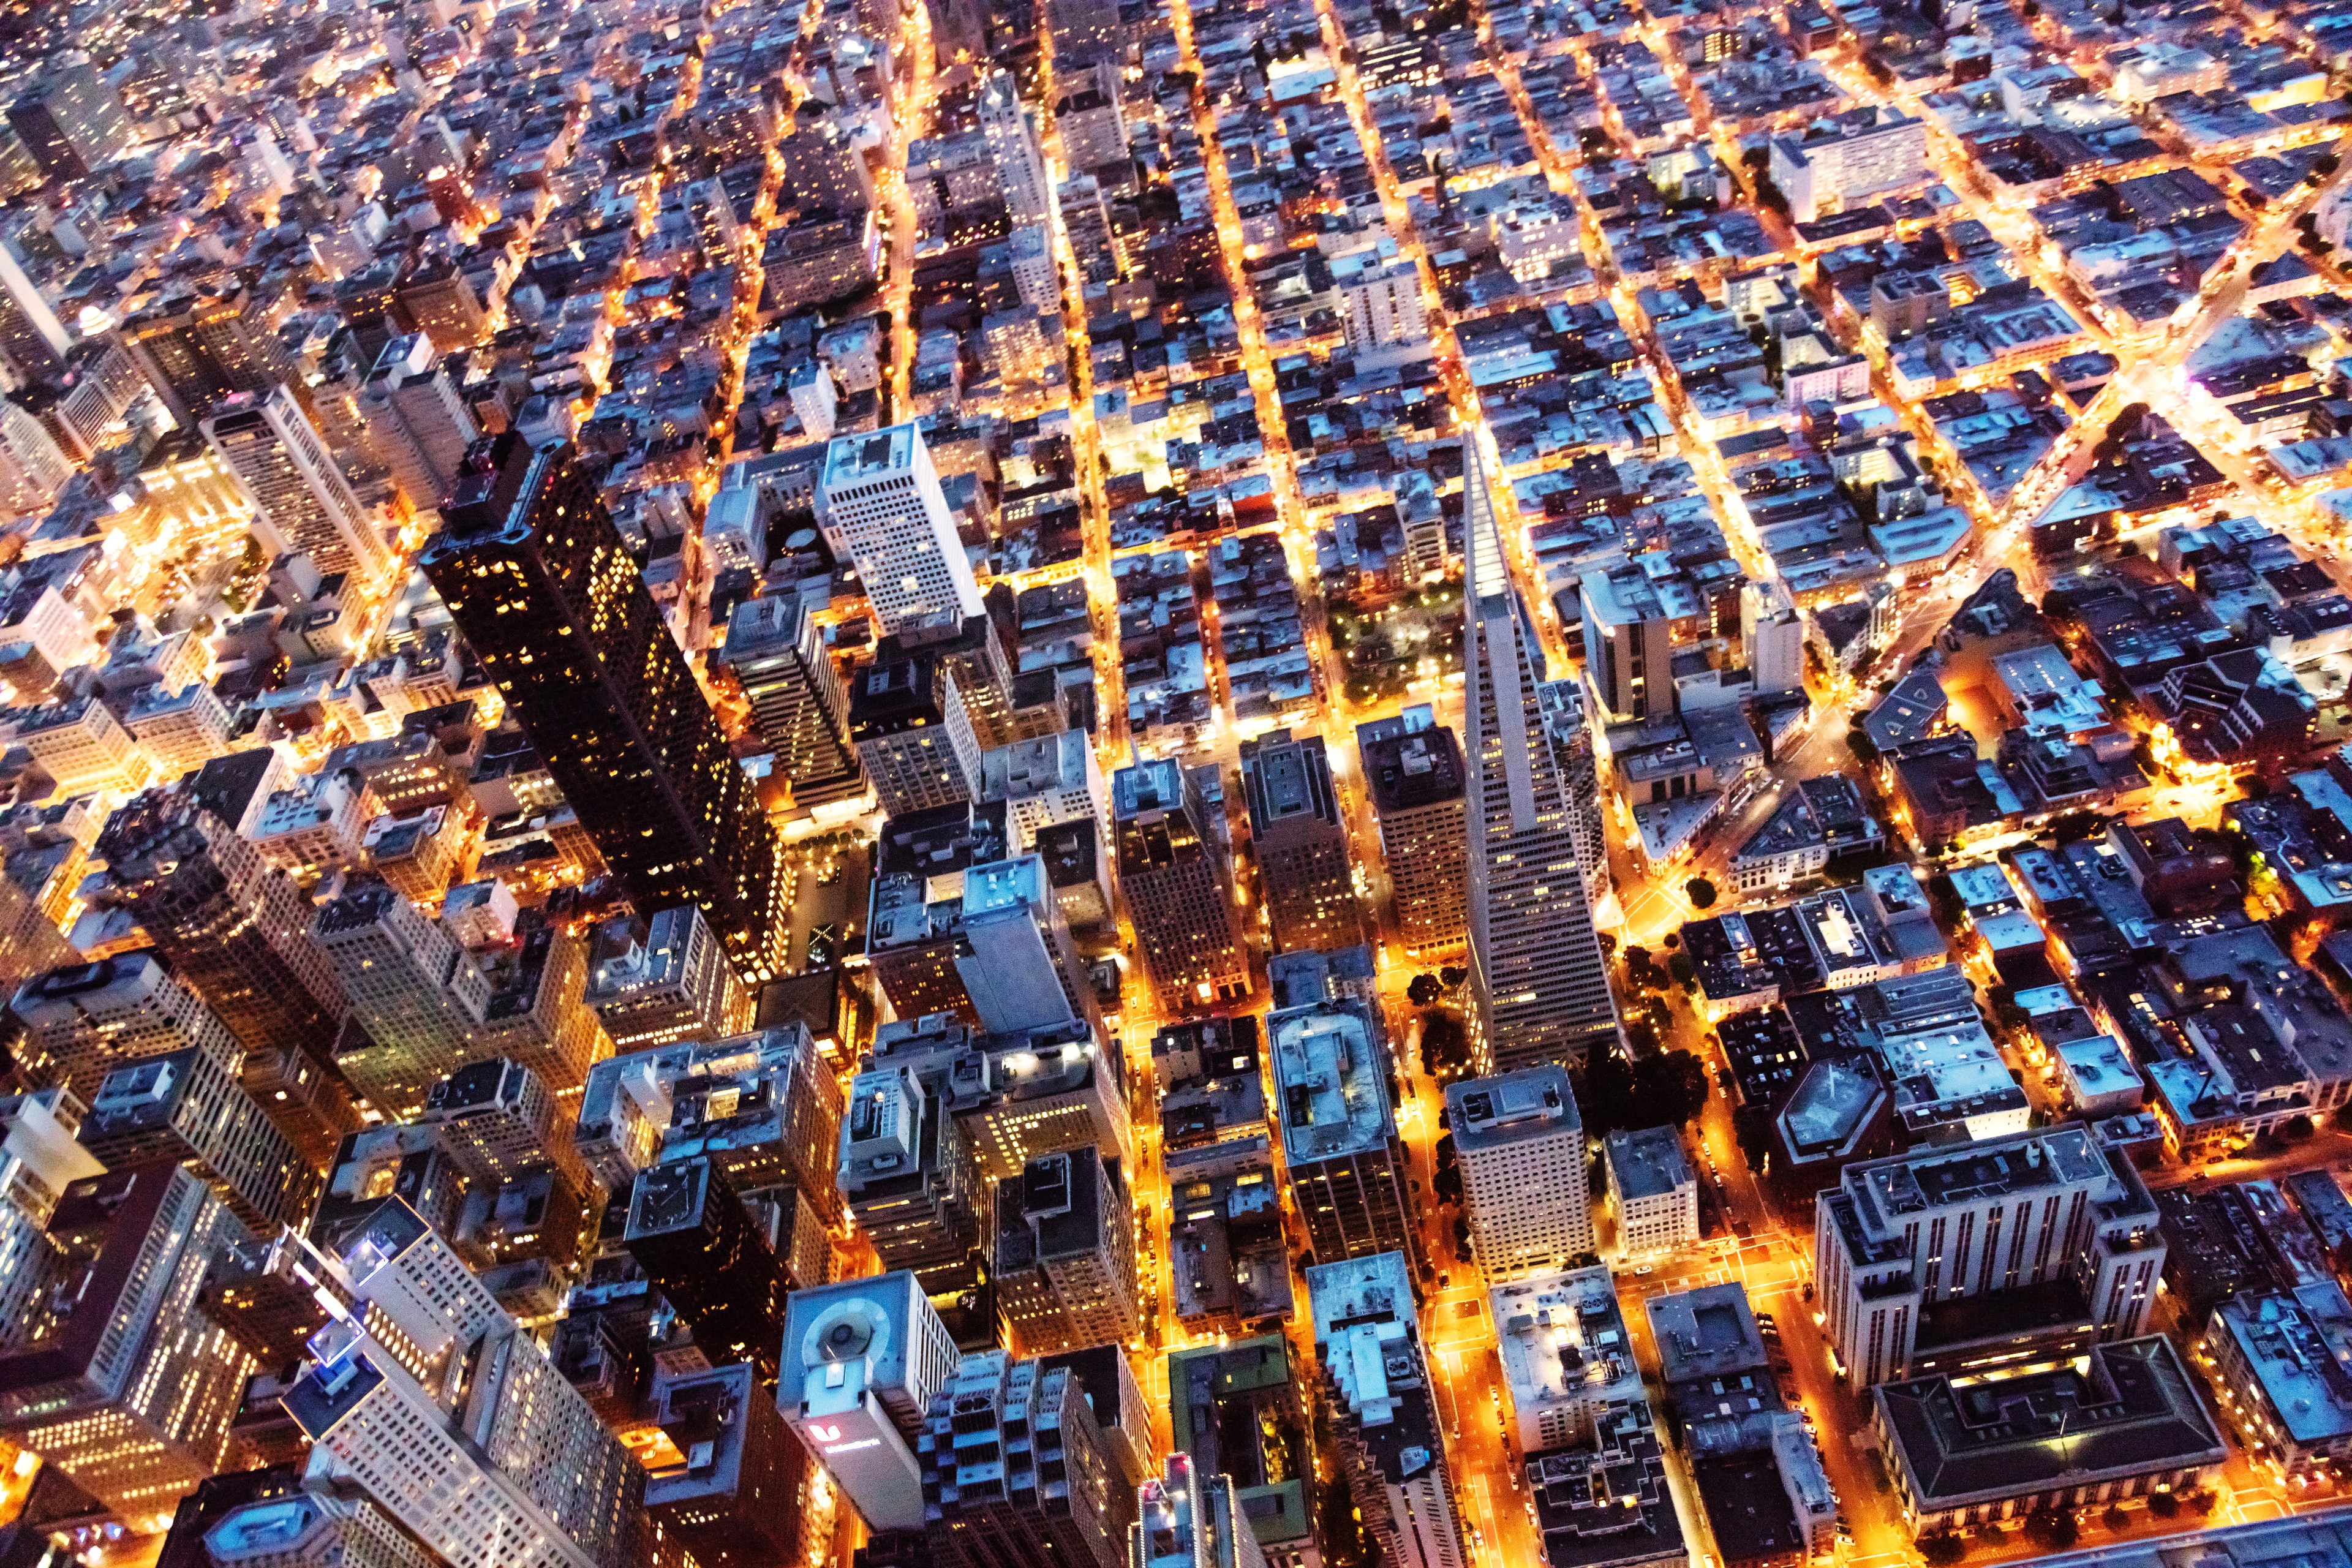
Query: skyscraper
[[414, 993], [541, 585], [71, 122], [777, 651], [1338, 1132], [1525, 1171], [1179, 891], [438, 1408], [1066, 1253], [82, 1021], [1567, 730], [501, 1121], [1191, 1521], [1413, 773], [1539, 984], [1012, 135], [414, 419], [657, 981], [879, 496], [234, 930], [691, 1235], [1384, 1413], [299, 489], [1300, 842], [315, 1530], [1048, 1492], [33, 342], [110, 1368], [909, 1178], [198, 350], [862, 1361], [914, 736], [728, 1485], [187, 1107]]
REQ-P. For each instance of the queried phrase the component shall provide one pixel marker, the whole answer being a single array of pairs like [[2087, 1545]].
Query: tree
[[2203, 1502], [1752, 1129], [1423, 990], [1684, 971], [1702, 893], [2116, 1519], [1445, 1045], [2296, 1130], [1942, 1549], [2164, 1505], [1451, 975], [1864, 749], [2053, 1528]]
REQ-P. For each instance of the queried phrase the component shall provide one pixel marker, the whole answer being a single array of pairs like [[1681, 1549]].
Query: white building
[[1653, 1190], [301, 499], [1049, 779], [178, 730], [1833, 165], [82, 1022], [862, 1360], [1380, 294], [1554, 1396], [1521, 1145], [1771, 636], [1012, 142], [879, 496]]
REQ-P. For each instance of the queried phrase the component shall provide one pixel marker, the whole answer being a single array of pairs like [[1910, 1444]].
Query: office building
[[1952, 1259], [81, 1022], [314, 1529], [1629, 645], [1540, 986], [1653, 1190], [1380, 298], [198, 350], [1042, 781], [777, 651], [33, 468], [955, 926], [499, 1120], [33, 342], [416, 994], [1520, 1142], [1771, 636], [1015, 1472], [823, 167], [662, 981], [1413, 774], [914, 738], [41, 1155], [108, 1369], [1568, 730], [692, 1236], [909, 1179], [233, 931], [879, 496], [1014, 148], [766, 1106], [1236, 1408], [179, 730], [436, 293], [1178, 888], [1383, 1409], [1835, 163], [1301, 844], [302, 501], [1064, 1254], [1339, 1133], [71, 122], [537, 580], [416, 423], [1188, 1519], [2123, 1422], [862, 1361], [432, 1404], [1016, 1096], [728, 1484], [1084, 32], [188, 1107]]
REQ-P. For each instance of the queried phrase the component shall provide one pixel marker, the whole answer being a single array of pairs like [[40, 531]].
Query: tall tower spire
[[1540, 984]]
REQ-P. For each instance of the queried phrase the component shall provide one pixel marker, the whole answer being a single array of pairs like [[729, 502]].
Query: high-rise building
[[909, 1178], [862, 1361], [1048, 1494], [1050, 779], [1413, 772], [81, 1022], [33, 468], [33, 342], [1065, 1253], [1179, 890], [777, 650], [914, 737], [1525, 1171], [40, 1153], [1539, 983], [198, 350], [299, 492], [1017, 962], [1301, 843], [660, 981], [315, 1530], [499, 1120], [695, 1240], [1339, 1133], [879, 496], [1012, 133], [1083, 31], [416, 994], [414, 419], [1236, 1407], [71, 122], [1189, 1520], [187, 1107], [1568, 730], [1920, 1254], [727, 1486], [1771, 636], [1384, 1413], [824, 168], [1380, 298], [1106, 1377], [1629, 645], [438, 295], [232, 930], [541, 585], [432, 1402], [110, 1368], [1020, 1095], [766, 1106]]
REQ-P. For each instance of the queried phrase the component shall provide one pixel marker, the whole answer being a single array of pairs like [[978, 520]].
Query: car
[[1645, 1268], [1445, 1281]]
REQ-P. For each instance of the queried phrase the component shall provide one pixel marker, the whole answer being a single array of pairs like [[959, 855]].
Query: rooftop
[[1328, 1083]]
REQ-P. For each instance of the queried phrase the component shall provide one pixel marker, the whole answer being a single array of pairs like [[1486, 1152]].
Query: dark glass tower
[[695, 1240], [537, 579]]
